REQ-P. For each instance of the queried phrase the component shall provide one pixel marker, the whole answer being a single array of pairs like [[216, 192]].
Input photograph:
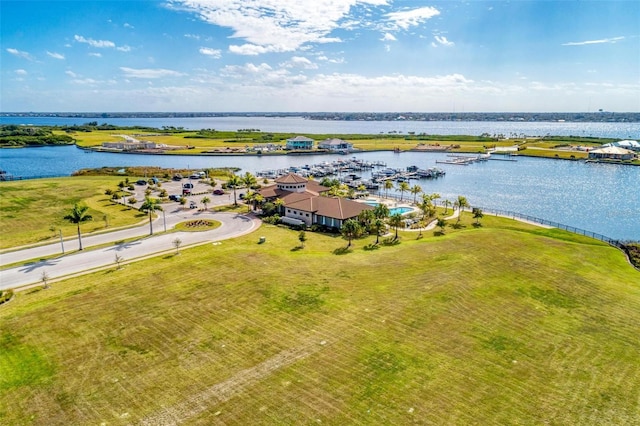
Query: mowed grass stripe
[[424, 331]]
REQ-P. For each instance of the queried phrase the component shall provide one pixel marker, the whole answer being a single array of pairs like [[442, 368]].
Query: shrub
[[5, 296]]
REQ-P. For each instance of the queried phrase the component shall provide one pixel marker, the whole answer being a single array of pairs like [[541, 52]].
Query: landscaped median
[[478, 325]]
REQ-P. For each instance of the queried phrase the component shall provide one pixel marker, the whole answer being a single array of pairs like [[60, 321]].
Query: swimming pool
[[392, 211]]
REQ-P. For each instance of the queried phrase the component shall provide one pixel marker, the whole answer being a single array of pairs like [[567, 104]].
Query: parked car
[[188, 185], [218, 192], [186, 191], [193, 205], [194, 177], [141, 182], [175, 197], [177, 177], [242, 196]]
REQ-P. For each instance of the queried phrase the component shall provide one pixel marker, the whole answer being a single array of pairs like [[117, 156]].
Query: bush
[[5, 296], [272, 220]]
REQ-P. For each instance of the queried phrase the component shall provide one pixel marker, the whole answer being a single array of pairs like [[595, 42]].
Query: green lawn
[[503, 324], [29, 208]]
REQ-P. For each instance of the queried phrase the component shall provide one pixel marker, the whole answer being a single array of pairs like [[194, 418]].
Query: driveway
[[233, 225]]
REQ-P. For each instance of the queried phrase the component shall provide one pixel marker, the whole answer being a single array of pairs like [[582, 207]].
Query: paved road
[[233, 225]]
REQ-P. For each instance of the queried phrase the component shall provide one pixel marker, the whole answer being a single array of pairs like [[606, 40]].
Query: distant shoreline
[[573, 117]]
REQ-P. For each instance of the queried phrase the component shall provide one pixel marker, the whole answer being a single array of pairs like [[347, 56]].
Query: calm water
[[597, 197], [300, 125]]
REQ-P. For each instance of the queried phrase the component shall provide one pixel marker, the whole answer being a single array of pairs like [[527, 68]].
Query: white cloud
[[252, 49], [299, 62], [388, 37], [274, 25], [21, 72], [387, 48], [71, 74], [410, 18], [20, 54], [94, 43], [442, 40], [601, 41], [95, 54], [149, 73], [214, 53], [127, 25], [55, 55], [124, 48], [193, 36]]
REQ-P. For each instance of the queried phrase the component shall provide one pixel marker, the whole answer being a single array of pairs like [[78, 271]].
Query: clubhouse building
[[306, 202]]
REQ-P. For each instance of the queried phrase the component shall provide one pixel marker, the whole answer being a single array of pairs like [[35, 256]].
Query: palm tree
[[258, 199], [366, 217], [441, 224], [381, 211], [205, 201], [78, 215], [403, 187], [415, 190], [461, 203], [278, 203], [249, 197], [302, 237], [434, 197], [351, 229], [388, 184], [395, 220], [477, 214], [249, 180], [150, 205], [446, 203], [377, 225], [183, 201], [233, 182]]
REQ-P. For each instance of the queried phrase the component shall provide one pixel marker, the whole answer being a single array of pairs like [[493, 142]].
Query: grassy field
[[503, 324], [30, 208], [199, 142]]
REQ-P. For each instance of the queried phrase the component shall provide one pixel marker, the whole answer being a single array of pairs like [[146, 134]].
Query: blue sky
[[320, 55]]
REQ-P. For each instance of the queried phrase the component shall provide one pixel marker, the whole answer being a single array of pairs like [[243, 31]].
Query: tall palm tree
[[388, 184], [233, 182], [477, 214], [415, 190], [366, 217], [351, 229], [258, 199], [205, 201], [377, 225], [249, 180], [403, 187], [446, 203], [441, 224], [381, 211], [461, 202], [149, 206], [278, 203], [395, 220], [249, 197], [78, 215]]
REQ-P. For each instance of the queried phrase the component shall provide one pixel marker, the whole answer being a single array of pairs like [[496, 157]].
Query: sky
[[319, 55]]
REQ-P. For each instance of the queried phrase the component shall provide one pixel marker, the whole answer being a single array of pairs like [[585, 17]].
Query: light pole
[[164, 220], [61, 240]]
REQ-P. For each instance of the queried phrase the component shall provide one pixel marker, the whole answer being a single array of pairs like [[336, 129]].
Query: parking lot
[[200, 189]]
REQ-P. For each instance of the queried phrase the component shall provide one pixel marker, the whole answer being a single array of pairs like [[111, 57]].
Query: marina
[[343, 171]]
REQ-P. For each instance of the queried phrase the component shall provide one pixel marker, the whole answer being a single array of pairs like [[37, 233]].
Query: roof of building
[[313, 189], [612, 150], [291, 178], [301, 138], [333, 141], [335, 207]]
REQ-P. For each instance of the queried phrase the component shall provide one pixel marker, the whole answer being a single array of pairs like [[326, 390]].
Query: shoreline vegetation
[[178, 141]]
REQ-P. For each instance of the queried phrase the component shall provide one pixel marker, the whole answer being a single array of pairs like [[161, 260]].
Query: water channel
[[600, 198]]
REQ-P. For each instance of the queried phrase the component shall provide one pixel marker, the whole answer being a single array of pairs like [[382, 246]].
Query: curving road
[[233, 225]]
